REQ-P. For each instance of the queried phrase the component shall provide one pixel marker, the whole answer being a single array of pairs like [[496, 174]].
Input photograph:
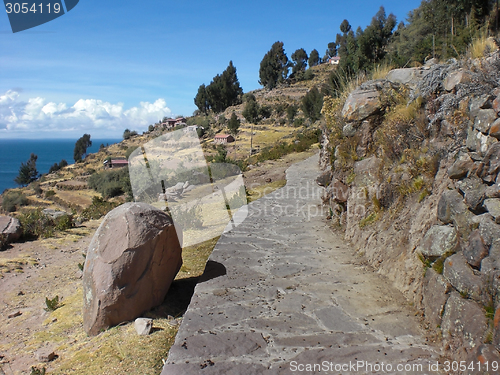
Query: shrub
[[36, 188], [3, 241], [13, 200], [98, 209], [35, 224], [111, 183], [52, 304], [49, 193]]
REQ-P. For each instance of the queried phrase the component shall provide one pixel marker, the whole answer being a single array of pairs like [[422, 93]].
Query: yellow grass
[[480, 47]]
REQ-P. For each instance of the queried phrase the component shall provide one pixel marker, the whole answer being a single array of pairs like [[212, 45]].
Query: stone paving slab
[[289, 292]]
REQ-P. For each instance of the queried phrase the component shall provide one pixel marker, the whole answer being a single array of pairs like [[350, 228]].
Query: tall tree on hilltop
[[27, 171], [251, 112], [81, 146], [274, 66], [299, 58], [314, 58], [223, 92], [201, 99]]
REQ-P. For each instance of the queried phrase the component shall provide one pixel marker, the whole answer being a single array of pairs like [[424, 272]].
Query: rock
[[130, 264], [143, 326], [11, 228], [495, 129], [45, 355], [386, 194], [484, 119], [54, 214], [484, 142], [435, 294], [474, 192], [438, 241], [496, 104], [362, 102], [475, 250], [461, 167], [478, 103], [349, 130], [485, 354], [472, 141], [492, 191], [492, 205], [406, 76], [185, 185], [455, 78], [490, 232], [367, 171], [458, 272], [324, 179], [452, 209], [339, 191], [464, 325], [491, 163]]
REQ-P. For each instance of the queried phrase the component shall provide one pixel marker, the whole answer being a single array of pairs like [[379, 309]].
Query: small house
[[222, 139], [335, 60], [115, 163]]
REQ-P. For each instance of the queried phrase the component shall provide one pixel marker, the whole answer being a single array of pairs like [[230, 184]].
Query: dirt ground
[[32, 271]]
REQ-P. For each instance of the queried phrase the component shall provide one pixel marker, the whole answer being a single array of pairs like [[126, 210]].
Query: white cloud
[[37, 115]]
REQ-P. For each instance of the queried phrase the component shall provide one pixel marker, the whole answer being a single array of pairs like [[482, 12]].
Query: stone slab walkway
[[285, 295]]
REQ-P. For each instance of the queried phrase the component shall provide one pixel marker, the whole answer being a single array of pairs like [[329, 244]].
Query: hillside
[[48, 266]]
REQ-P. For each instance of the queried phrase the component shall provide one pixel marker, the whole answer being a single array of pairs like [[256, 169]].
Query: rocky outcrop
[[10, 228], [423, 192], [131, 262]]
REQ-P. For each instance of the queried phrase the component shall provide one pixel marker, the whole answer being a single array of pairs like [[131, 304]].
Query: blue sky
[[110, 65]]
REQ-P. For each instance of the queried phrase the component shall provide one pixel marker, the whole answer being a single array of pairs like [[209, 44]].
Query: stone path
[[284, 294]]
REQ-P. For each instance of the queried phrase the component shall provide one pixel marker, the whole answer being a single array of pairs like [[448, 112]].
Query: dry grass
[[481, 47], [380, 71]]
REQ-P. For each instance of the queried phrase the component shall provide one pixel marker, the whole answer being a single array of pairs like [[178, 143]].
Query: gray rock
[[452, 209], [492, 205], [362, 102], [489, 230], [478, 103], [143, 326], [455, 78], [407, 76], [492, 191], [54, 214], [475, 250], [485, 142], [131, 262], [464, 325], [474, 192], [485, 354], [349, 130], [435, 294], [491, 163], [324, 179], [458, 272], [438, 241], [484, 119], [496, 104], [367, 171], [472, 142], [11, 228], [461, 166]]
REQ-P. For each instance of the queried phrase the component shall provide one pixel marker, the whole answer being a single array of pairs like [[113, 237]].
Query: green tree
[[312, 103], [27, 171], [81, 147], [201, 99], [234, 124], [224, 91], [129, 133], [299, 58], [314, 58], [291, 112], [252, 110], [274, 66], [150, 128]]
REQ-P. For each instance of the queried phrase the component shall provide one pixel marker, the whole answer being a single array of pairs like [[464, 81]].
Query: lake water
[[13, 152]]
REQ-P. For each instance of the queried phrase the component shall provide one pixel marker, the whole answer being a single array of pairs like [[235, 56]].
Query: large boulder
[[131, 262], [438, 241], [363, 102], [491, 163], [458, 272], [11, 228], [484, 119]]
